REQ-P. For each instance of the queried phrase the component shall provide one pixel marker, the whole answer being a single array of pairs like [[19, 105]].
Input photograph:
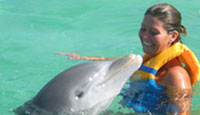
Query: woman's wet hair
[[170, 17]]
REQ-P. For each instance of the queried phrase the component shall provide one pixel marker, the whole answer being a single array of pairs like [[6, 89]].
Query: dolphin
[[84, 89]]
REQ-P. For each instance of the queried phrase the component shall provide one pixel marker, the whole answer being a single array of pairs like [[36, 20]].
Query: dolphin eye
[[79, 94]]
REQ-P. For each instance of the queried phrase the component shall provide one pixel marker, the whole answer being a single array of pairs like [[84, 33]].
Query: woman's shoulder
[[176, 76]]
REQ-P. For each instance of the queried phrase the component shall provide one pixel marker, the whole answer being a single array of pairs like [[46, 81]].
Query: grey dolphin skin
[[84, 89]]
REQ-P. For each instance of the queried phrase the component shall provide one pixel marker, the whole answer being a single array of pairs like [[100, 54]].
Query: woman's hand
[[73, 56]]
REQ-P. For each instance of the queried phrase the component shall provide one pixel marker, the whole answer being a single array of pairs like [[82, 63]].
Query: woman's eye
[[154, 32], [142, 29]]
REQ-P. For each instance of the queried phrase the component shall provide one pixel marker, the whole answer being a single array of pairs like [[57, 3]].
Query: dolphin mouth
[[131, 60]]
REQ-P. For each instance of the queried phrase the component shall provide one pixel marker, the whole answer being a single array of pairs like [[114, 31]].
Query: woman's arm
[[75, 56], [179, 89]]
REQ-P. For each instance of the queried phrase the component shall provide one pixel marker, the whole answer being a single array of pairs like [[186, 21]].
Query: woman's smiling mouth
[[147, 44]]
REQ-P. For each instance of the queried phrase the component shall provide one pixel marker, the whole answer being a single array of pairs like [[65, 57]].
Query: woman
[[163, 85]]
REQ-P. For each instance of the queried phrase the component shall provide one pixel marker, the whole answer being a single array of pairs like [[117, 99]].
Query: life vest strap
[[148, 69]]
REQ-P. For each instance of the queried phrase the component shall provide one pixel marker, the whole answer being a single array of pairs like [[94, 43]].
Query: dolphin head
[[88, 87], [104, 84]]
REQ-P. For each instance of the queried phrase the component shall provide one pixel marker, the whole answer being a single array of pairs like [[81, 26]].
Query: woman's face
[[153, 36]]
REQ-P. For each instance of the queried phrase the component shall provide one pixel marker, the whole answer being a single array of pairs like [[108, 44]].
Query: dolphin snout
[[135, 57], [131, 56]]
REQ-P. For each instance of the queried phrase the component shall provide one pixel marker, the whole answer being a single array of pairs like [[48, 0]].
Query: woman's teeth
[[147, 43]]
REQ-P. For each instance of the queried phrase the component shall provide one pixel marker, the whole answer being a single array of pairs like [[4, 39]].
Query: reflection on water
[[179, 101], [110, 112], [30, 109], [181, 98]]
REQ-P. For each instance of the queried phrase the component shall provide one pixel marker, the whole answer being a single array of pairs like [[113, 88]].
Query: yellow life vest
[[186, 57]]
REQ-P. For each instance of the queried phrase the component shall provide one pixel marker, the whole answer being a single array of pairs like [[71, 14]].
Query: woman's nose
[[144, 35]]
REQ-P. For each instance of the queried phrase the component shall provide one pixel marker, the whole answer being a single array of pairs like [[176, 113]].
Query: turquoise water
[[32, 31]]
